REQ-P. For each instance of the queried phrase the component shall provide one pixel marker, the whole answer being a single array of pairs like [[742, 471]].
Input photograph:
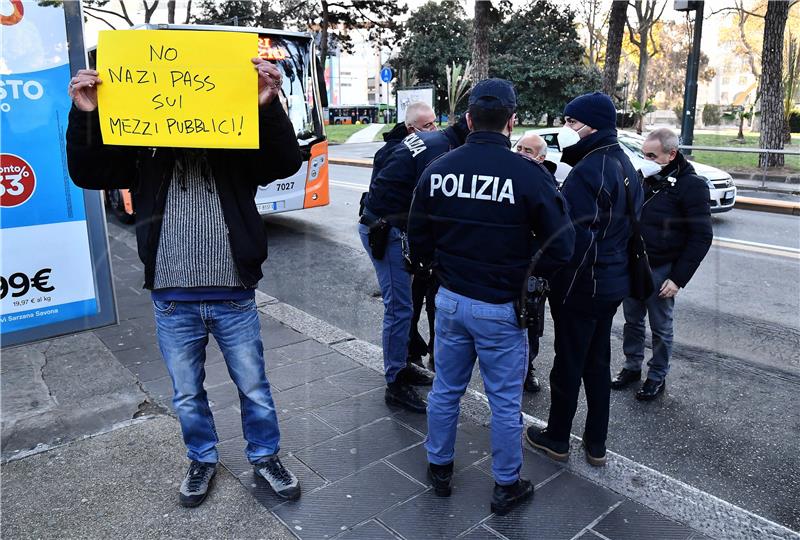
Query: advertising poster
[[406, 96], [47, 274]]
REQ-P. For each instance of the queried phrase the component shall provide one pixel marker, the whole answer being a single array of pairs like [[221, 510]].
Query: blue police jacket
[[595, 193], [473, 213], [392, 185], [391, 140]]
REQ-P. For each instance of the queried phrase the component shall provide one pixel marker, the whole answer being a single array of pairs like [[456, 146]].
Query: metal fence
[[764, 170]]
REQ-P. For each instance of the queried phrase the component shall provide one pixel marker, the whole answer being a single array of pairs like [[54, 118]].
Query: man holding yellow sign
[[188, 125]]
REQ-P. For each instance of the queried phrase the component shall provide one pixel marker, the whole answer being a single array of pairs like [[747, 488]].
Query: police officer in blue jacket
[[472, 216], [585, 296], [382, 228]]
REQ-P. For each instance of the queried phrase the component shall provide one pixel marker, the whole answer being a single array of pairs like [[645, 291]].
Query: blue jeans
[[395, 283], [659, 311], [182, 329], [466, 329]]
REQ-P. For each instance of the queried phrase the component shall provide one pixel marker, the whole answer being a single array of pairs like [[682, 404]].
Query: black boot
[[650, 390], [506, 498], [405, 396], [414, 375], [624, 378], [441, 477], [531, 380]]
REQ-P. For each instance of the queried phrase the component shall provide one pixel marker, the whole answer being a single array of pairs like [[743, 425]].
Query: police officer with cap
[[382, 228], [473, 213]]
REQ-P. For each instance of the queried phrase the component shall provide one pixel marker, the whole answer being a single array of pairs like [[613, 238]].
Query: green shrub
[[712, 115], [794, 121]]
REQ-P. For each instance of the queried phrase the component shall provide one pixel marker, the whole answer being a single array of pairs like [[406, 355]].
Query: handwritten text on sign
[[180, 88]]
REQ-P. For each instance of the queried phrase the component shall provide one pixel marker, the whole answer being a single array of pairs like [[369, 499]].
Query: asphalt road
[[729, 423]]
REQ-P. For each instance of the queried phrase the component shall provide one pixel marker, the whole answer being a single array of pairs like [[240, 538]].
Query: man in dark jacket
[[382, 228], [420, 117], [472, 219], [202, 243], [585, 296], [676, 227]]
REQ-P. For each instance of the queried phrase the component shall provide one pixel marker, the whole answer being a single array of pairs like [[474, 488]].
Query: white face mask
[[649, 168], [568, 136]]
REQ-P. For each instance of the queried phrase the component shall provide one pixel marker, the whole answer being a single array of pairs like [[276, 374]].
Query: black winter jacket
[[595, 193], [676, 220], [147, 172]]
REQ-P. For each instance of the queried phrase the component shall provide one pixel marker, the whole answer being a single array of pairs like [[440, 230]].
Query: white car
[[720, 184]]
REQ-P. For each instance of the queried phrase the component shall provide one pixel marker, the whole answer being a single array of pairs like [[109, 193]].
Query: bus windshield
[[294, 57]]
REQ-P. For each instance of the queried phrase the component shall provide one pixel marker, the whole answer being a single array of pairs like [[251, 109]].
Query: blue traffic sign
[[387, 74]]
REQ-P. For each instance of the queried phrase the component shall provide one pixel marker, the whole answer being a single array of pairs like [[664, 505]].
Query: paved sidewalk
[[365, 135], [361, 463]]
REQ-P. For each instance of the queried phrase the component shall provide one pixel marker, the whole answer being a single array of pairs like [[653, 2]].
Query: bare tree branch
[[92, 15], [630, 33], [721, 10], [87, 9]]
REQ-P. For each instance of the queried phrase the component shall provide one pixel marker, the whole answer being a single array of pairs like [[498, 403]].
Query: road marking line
[[756, 247], [350, 185], [757, 244]]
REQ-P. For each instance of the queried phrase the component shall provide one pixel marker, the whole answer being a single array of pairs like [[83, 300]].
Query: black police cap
[[493, 94]]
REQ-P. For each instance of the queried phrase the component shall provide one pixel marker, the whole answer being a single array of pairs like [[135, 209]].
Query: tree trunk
[[323, 54], [149, 10], [641, 83], [171, 11], [616, 29], [740, 135], [480, 41], [188, 12], [771, 86]]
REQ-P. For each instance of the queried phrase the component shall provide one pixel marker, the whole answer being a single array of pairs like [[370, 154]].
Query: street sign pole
[[387, 74], [692, 69]]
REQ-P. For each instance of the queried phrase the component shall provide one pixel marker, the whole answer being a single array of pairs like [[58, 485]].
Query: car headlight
[[729, 182], [709, 183]]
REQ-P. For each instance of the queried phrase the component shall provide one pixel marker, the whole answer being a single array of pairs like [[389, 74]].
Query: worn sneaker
[[195, 485], [281, 479]]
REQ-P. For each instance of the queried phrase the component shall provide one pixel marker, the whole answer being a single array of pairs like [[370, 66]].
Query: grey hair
[[668, 139], [540, 142], [414, 110]]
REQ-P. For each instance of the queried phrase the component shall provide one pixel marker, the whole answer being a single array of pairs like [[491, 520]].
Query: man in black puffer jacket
[[676, 226], [585, 295]]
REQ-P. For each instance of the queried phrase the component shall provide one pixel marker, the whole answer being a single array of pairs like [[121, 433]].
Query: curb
[[744, 203], [666, 495], [767, 205]]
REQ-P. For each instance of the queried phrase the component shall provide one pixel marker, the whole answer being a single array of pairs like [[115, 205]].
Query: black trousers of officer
[[583, 352], [423, 290]]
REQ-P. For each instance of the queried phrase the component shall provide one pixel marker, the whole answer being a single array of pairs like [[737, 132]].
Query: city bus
[[294, 54]]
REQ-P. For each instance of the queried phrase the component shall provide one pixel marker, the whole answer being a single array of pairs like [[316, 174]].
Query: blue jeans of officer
[[395, 283], [466, 328], [659, 311], [183, 329]]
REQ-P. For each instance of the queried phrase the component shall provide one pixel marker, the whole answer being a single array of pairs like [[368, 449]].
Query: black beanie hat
[[596, 110]]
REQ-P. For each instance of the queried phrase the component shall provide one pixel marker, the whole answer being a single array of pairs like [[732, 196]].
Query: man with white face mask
[[676, 227], [585, 296]]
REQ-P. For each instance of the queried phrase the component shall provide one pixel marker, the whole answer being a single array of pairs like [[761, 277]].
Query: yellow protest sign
[[181, 88]]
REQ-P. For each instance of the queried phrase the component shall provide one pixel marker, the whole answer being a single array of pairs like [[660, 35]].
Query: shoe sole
[[503, 510], [397, 403], [623, 386], [550, 453], [595, 462], [190, 504]]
